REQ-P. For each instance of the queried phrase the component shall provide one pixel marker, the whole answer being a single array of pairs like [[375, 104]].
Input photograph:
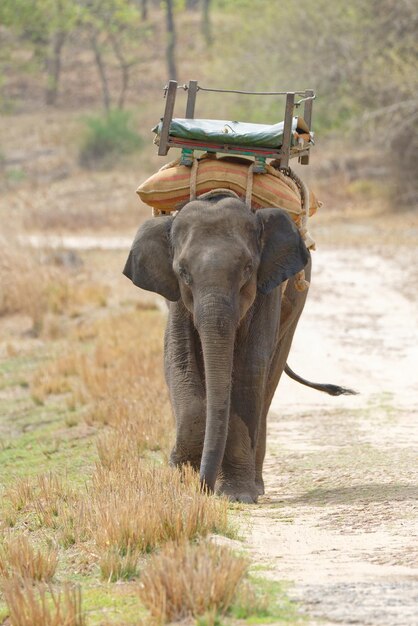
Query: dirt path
[[340, 515]]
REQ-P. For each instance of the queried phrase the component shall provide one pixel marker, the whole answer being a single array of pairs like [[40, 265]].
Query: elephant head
[[214, 256]]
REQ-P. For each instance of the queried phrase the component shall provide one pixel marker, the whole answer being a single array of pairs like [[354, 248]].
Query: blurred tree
[[171, 40], [144, 9], [360, 57], [388, 86], [112, 26], [206, 22], [45, 25]]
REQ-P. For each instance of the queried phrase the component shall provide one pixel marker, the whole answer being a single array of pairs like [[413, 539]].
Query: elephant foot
[[259, 485], [180, 459], [245, 498], [237, 493]]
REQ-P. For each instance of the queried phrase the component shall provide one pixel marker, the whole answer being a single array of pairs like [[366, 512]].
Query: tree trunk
[[171, 41], [53, 66], [206, 23], [144, 10], [125, 67], [102, 71]]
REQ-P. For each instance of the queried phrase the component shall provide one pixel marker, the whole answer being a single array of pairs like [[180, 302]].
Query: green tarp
[[235, 133]]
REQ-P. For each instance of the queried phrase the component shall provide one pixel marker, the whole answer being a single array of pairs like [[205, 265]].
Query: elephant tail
[[332, 390]]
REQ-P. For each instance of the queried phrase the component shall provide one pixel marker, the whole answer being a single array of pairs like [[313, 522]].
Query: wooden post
[[307, 116], [191, 99], [168, 116], [287, 130]]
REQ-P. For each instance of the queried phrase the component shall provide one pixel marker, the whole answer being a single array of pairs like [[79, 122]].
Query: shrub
[[191, 580], [107, 138]]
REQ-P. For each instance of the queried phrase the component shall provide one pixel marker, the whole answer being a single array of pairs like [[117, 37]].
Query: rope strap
[[249, 190], [193, 179]]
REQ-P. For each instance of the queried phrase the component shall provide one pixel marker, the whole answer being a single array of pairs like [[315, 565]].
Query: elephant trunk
[[215, 319]]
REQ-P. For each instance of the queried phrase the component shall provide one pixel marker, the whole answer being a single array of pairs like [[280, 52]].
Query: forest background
[[81, 56]]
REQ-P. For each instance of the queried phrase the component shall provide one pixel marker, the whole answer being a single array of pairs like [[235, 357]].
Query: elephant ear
[[283, 252], [149, 264]]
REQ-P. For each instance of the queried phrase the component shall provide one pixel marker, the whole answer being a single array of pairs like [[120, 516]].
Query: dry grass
[[134, 503], [116, 566], [49, 501], [31, 605], [186, 580], [52, 487], [129, 509], [130, 438], [250, 601], [120, 383], [93, 202], [47, 489], [20, 494], [31, 286], [23, 284], [19, 557], [71, 523], [54, 496], [134, 506]]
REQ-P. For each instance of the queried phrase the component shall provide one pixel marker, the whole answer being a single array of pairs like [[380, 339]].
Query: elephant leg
[[277, 367], [253, 353], [184, 376], [292, 306]]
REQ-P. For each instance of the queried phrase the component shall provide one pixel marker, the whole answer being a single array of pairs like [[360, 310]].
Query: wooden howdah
[[281, 155]]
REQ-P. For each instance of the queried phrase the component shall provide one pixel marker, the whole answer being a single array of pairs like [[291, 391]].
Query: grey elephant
[[221, 266]]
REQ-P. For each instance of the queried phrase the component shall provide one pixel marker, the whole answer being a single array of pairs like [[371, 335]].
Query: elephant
[[228, 274]]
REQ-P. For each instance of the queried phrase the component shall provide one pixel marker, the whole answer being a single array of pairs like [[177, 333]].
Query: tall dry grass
[[32, 286], [120, 383], [23, 284], [134, 503], [30, 605], [137, 506], [20, 493], [18, 557], [186, 580], [115, 565]]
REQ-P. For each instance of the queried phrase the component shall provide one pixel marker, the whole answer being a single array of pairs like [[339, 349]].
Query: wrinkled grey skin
[[229, 329]]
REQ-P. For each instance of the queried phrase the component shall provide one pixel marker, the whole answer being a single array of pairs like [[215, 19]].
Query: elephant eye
[[185, 276], [248, 270]]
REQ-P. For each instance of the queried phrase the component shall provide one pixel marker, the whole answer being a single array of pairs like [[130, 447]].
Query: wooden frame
[[282, 154]]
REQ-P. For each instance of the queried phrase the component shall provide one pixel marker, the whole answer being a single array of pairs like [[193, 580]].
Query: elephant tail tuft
[[332, 390]]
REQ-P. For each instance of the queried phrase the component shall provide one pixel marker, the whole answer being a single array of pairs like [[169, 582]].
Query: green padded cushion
[[233, 133]]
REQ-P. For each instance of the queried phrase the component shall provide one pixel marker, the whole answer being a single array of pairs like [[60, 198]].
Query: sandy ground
[[340, 514]]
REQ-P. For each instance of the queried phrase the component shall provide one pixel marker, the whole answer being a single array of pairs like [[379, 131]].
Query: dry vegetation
[[37, 285], [42, 606], [191, 580], [19, 558], [108, 378]]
